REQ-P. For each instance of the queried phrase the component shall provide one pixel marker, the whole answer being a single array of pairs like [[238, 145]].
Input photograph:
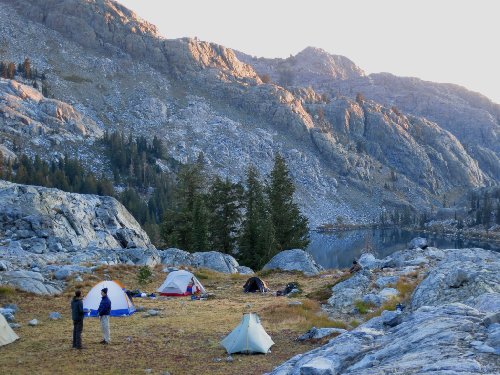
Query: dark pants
[[77, 333]]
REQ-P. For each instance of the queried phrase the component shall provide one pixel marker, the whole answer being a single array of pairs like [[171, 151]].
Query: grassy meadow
[[183, 339]]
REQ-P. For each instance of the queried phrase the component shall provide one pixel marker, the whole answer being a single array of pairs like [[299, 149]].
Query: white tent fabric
[[7, 335], [177, 282], [248, 337], [120, 303]]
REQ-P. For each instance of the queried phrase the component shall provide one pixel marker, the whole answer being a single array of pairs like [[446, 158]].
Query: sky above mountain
[[443, 41]]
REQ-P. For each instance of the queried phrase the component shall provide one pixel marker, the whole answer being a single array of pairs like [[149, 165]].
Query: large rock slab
[[345, 293], [32, 282], [216, 261], [462, 275], [432, 340], [50, 220], [141, 257], [176, 257], [212, 260], [294, 260]]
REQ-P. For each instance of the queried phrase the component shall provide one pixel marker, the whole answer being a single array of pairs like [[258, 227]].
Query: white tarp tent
[[120, 303], [7, 335], [248, 337], [177, 282]]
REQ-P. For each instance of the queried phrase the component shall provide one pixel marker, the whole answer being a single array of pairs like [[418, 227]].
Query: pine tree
[[256, 243], [11, 70], [486, 210], [177, 228], [224, 204], [291, 227], [200, 225], [27, 68]]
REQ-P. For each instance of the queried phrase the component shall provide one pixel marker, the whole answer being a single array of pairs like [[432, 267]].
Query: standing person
[[103, 311], [77, 316]]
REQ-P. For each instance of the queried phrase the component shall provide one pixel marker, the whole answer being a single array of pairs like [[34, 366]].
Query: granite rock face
[[345, 293], [294, 260], [32, 282], [26, 111], [44, 220], [452, 107], [212, 260], [432, 340], [216, 261], [462, 275], [450, 327]]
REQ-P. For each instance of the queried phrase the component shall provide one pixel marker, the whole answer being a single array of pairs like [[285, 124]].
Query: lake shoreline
[[437, 229]]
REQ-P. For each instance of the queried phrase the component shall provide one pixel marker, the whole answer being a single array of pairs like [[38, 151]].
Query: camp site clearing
[[184, 338]]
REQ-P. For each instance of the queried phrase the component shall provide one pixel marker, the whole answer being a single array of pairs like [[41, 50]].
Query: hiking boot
[[103, 342]]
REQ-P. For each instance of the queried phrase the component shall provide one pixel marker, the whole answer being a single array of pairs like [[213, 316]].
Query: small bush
[[144, 275], [363, 307], [265, 78], [6, 291], [321, 295], [354, 323]]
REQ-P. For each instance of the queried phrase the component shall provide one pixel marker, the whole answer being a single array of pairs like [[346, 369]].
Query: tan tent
[[7, 335]]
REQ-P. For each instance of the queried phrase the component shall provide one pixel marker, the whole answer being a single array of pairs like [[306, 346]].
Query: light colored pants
[[105, 327]]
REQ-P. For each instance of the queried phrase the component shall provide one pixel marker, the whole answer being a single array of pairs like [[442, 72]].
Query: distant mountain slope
[[471, 117], [347, 157]]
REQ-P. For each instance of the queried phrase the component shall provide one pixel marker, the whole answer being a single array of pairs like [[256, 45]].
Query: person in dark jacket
[[77, 316], [103, 311], [355, 267]]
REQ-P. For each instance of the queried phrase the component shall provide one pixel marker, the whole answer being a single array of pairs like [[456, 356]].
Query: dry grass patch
[[405, 286], [304, 316], [183, 339]]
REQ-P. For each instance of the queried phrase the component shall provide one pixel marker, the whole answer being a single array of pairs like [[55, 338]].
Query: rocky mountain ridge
[[471, 117], [200, 97]]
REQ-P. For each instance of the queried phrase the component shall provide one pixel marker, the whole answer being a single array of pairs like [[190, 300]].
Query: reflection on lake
[[337, 250]]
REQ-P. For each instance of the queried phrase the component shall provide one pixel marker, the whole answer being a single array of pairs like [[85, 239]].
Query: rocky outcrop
[[212, 260], [452, 325], [216, 261], [32, 282], [312, 66], [345, 293], [24, 110], [433, 340], [176, 257], [43, 220], [452, 107], [319, 333], [461, 276], [294, 260]]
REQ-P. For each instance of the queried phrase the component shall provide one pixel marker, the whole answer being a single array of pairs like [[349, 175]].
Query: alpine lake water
[[338, 249]]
